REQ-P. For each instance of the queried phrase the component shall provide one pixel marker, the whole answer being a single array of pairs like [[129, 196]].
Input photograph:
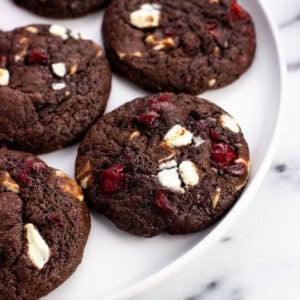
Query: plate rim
[[153, 280]]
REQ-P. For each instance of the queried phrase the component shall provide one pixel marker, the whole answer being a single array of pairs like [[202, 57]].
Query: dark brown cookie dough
[[44, 225], [166, 162], [62, 8], [53, 85], [179, 46]]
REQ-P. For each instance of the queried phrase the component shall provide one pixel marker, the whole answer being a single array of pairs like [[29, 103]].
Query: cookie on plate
[[166, 162], [53, 84], [179, 46], [61, 8], [44, 225]]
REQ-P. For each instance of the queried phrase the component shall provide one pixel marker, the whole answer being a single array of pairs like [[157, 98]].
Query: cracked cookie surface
[[53, 85], [179, 46], [61, 8], [166, 162], [44, 225]]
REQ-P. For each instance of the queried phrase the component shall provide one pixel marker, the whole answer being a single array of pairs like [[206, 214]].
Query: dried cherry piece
[[211, 25], [36, 57], [148, 118], [112, 179], [223, 154], [157, 102], [162, 202], [236, 169], [237, 12], [3, 61], [29, 169], [215, 134]]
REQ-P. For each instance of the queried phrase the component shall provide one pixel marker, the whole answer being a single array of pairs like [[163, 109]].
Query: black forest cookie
[[166, 162], [44, 225], [53, 85], [179, 46], [61, 8]]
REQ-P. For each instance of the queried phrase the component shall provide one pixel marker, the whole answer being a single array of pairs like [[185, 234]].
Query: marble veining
[[290, 22], [292, 67]]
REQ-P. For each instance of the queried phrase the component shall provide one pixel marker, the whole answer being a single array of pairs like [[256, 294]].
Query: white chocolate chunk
[[9, 184], [58, 30], [197, 140], [168, 165], [170, 179], [38, 250], [212, 82], [170, 152], [146, 17], [230, 123], [32, 29], [85, 181], [189, 173], [84, 36], [4, 77], [58, 86], [247, 164], [73, 69], [151, 6], [75, 35], [158, 45], [216, 197], [69, 185], [134, 135], [59, 69], [178, 136]]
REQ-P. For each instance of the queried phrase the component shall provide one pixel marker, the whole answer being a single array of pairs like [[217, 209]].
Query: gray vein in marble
[[290, 22], [226, 239], [209, 288], [237, 294], [292, 67], [285, 175], [215, 288]]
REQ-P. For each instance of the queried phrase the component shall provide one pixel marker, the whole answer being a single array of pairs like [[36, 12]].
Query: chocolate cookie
[[44, 224], [61, 8], [179, 46], [166, 162], [53, 85]]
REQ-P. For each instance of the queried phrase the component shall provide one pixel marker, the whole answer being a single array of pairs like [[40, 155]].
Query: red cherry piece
[[29, 169], [3, 61], [24, 178], [170, 32], [148, 118], [162, 202], [112, 179], [156, 103], [214, 134], [236, 169], [223, 154], [37, 57], [237, 12], [202, 125], [54, 218], [211, 25]]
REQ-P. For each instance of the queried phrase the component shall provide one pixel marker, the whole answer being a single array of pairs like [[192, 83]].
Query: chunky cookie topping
[[165, 162], [53, 85]]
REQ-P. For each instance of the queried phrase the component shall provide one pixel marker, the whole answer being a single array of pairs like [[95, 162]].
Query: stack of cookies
[[166, 162]]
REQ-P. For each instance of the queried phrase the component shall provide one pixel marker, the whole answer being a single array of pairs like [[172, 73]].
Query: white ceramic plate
[[118, 265]]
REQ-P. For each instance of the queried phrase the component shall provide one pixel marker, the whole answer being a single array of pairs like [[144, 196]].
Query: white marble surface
[[259, 258]]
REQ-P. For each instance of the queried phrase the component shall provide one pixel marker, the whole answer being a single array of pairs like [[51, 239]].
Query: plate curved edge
[[153, 280]]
